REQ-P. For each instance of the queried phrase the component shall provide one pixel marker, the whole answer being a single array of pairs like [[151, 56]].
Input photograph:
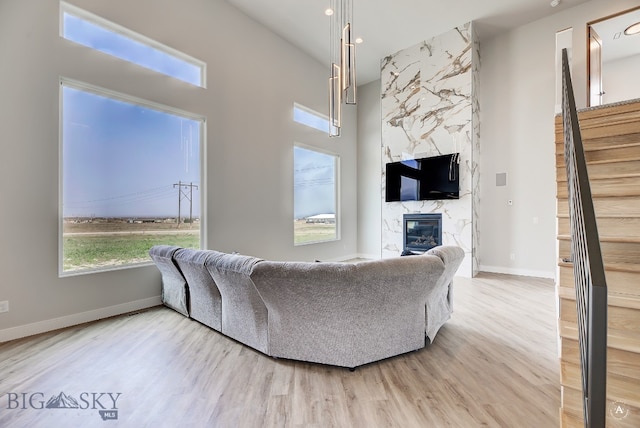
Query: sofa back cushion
[[346, 314], [205, 299], [244, 315]]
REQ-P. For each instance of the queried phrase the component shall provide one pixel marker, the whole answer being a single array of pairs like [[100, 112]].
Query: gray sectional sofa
[[343, 314]]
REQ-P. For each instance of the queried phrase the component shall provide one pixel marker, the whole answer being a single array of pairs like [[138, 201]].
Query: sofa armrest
[[439, 305], [175, 293]]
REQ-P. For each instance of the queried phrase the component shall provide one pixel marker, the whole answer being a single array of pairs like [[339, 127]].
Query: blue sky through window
[[121, 159], [311, 119], [314, 183], [100, 38]]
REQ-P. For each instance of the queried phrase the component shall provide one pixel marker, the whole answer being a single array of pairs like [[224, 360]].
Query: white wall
[[254, 77], [369, 180], [620, 79], [517, 94]]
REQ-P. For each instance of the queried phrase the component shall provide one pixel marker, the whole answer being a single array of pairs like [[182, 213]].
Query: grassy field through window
[[101, 243], [313, 232]]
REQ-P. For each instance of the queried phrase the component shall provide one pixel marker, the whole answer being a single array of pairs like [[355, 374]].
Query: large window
[[130, 178], [105, 36], [315, 182]]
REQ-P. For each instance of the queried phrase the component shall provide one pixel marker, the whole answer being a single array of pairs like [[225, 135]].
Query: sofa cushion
[[244, 315], [346, 314], [174, 286], [205, 299]]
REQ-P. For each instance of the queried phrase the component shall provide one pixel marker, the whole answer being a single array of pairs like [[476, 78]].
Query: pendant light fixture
[[342, 70]]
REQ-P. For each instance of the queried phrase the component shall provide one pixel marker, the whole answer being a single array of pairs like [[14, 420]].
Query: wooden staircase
[[611, 137]]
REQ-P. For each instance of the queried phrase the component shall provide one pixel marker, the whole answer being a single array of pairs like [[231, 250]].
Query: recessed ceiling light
[[328, 12], [632, 29], [554, 3], [359, 40]]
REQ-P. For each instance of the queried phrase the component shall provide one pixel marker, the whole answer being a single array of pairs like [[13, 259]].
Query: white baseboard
[[519, 272], [369, 256], [342, 258], [75, 319], [357, 256]]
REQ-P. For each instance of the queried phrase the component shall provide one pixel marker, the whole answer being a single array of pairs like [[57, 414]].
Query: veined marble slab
[[429, 107]]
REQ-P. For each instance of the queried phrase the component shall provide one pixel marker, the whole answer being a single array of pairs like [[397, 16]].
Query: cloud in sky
[[314, 183]]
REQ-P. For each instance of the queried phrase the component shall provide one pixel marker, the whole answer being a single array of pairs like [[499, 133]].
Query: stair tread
[[608, 147], [620, 300], [613, 160], [615, 339], [606, 177], [621, 267], [587, 148], [565, 198], [619, 216], [605, 238]]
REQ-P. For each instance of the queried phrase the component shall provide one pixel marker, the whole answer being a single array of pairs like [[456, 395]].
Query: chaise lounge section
[[342, 314]]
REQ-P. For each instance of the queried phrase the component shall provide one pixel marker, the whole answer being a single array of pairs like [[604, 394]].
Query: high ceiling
[[615, 45], [390, 26]]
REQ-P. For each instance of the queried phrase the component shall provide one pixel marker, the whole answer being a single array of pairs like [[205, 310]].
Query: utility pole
[[182, 187], [179, 198]]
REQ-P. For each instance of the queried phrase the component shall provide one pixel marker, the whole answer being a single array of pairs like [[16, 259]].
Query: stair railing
[[588, 267]]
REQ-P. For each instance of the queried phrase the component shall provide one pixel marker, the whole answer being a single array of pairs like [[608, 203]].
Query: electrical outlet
[[512, 256], [4, 306]]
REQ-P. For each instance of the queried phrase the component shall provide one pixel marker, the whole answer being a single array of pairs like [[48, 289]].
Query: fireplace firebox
[[421, 232]]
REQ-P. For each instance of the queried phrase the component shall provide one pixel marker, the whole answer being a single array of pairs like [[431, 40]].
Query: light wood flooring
[[494, 364]]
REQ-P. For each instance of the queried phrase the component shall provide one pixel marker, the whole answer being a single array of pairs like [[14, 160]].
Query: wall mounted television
[[424, 179]]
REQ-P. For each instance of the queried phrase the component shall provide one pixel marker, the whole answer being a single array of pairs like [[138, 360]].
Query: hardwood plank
[[607, 226], [618, 361], [614, 250], [603, 149], [618, 339], [605, 169], [493, 364], [613, 142], [613, 298], [620, 319], [614, 186], [615, 206]]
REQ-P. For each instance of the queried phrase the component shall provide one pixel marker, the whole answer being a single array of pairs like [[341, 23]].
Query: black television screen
[[423, 179]]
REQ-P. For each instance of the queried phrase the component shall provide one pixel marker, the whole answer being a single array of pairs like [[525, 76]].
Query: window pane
[[314, 181], [130, 180], [104, 36], [310, 118]]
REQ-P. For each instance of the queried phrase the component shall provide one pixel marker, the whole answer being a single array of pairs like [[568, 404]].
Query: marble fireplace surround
[[429, 108]]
